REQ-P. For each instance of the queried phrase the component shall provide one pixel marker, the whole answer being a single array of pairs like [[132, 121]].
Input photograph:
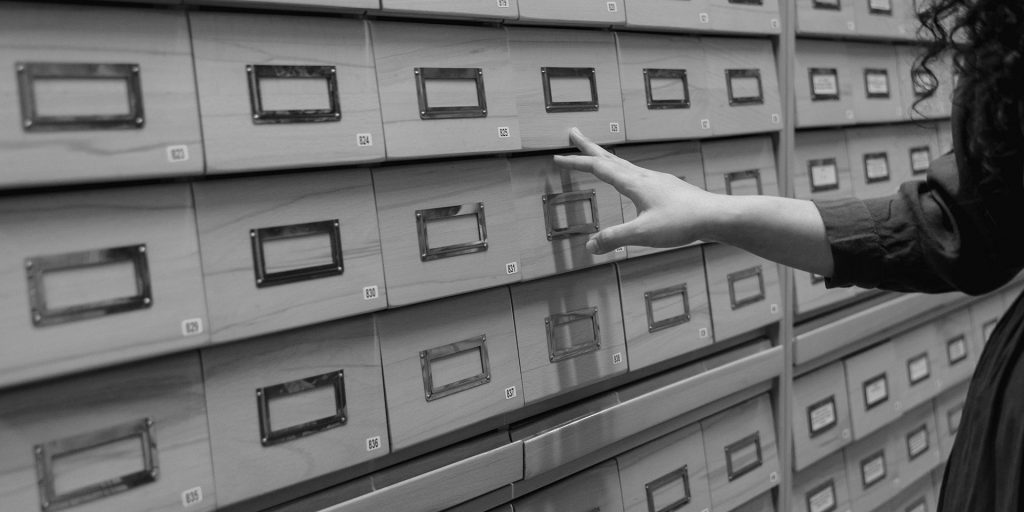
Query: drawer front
[[449, 364], [344, 5], [283, 92], [949, 409], [919, 357], [825, 17], [572, 12], [680, 159], [440, 240], [557, 211], [112, 103], [957, 351], [872, 381], [298, 405], [883, 18], [877, 165], [664, 87], [566, 78], [821, 415], [822, 487], [822, 169], [668, 14], [597, 488], [985, 316], [744, 86], [824, 84], [307, 238], [944, 130], [744, 291], [873, 470], [917, 438], [762, 503], [665, 306], [875, 72], [484, 9], [667, 474], [920, 497], [918, 147], [745, 16], [98, 276], [569, 330], [938, 106], [444, 89], [128, 438], [740, 167], [741, 452]]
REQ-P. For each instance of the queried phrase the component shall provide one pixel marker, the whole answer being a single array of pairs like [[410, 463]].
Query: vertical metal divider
[[786, 62]]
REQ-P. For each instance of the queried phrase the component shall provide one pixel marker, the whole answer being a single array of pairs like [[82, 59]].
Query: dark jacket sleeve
[[953, 231]]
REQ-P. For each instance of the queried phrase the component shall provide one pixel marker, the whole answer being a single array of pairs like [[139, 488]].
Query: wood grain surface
[[323, 5], [890, 26], [667, 14], [810, 392], [482, 9], [405, 333], [907, 431], [866, 366], [641, 466], [228, 210], [168, 391], [723, 157], [877, 139], [156, 40], [746, 18], [724, 53], [597, 488], [921, 493], [722, 260], [863, 56], [826, 55], [571, 12], [910, 346], [244, 467], [728, 427], [888, 442], [225, 43], [160, 217], [809, 483]]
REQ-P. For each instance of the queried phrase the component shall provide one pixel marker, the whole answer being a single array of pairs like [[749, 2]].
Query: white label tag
[[851, 26], [850, 115], [824, 175], [613, 7], [876, 391], [512, 268], [773, 477], [617, 358], [371, 293], [877, 168], [956, 350], [503, 4], [510, 393], [917, 443], [823, 500], [614, 127], [373, 444], [504, 132], [774, 23], [193, 496], [364, 140], [704, 17], [918, 369], [825, 84], [823, 416], [177, 154], [920, 160], [620, 249], [877, 83], [702, 332], [774, 308], [705, 124], [776, 119], [986, 330], [873, 470], [192, 327], [880, 5]]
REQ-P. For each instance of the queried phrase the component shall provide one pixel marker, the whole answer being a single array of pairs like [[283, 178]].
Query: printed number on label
[[773, 477], [774, 24], [620, 249], [364, 140], [192, 496], [613, 7], [776, 119], [702, 332], [504, 132], [192, 327], [614, 127], [617, 358], [371, 293], [704, 17], [373, 443], [705, 124], [510, 393], [503, 4], [512, 268], [177, 154], [774, 308]]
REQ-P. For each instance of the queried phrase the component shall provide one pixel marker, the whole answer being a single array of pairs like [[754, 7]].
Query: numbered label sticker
[[617, 358], [371, 293], [704, 17], [702, 332], [776, 119], [620, 249], [512, 268], [851, 26], [774, 308], [773, 478], [373, 444], [503, 4], [613, 7], [193, 496], [504, 132], [705, 124], [614, 127], [177, 154], [849, 114], [192, 327], [510, 393], [774, 24], [364, 140]]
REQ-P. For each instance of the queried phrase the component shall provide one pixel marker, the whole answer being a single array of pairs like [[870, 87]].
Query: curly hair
[[985, 39]]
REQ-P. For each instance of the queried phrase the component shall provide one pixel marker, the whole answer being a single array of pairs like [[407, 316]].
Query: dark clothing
[[961, 229]]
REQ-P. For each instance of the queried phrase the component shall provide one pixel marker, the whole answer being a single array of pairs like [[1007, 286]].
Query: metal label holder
[[953, 357], [424, 217], [732, 470], [927, 365], [269, 436], [663, 481], [731, 74], [879, 455], [262, 235], [868, 157], [670, 74], [868, 73], [827, 5], [735, 277], [871, 404], [829, 486], [431, 391], [450, 112], [752, 174], [557, 353], [824, 162], [914, 169], [827, 402], [552, 201], [911, 454], [830, 72], [551, 106], [672, 321], [257, 72], [31, 121], [873, 7]]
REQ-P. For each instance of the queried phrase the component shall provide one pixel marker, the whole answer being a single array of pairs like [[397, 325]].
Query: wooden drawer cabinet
[[874, 70], [745, 17], [949, 409], [873, 468], [825, 17], [741, 453], [821, 415], [740, 167], [822, 487], [824, 84], [872, 381], [877, 164], [669, 473], [597, 488], [744, 291], [743, 84]]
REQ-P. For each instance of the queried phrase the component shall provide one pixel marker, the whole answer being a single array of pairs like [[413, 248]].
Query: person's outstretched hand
[[670, 211]]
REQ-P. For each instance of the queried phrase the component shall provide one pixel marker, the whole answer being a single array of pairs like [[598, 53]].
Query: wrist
[[724, 217]]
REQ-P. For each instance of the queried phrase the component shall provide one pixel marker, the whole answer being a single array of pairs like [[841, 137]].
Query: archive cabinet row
[[143, 270], [277, 92], [871, 19]]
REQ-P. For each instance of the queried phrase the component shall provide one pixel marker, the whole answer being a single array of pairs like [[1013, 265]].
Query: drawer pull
[[824, 84], [876, 83], [37, 267], [450, 111], [672, 321], [572, 227], [661, 75], [876, 167], [822, 416], [734, 179], [743, 456], [739, 300], [822, 498], [258, 72], [48, 456], [553, 106], [653, 488], [270, 436], [558, 349], [824, 174], [260, 237], [741, 85], [30, 74], [424, 217], [476, 346]]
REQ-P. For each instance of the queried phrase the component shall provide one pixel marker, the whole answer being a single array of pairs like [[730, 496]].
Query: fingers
[[585, 145], [613, 237]]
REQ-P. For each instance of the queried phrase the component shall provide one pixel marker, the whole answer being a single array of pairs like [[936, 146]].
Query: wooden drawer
[[949, 408], [762, 503], [128, 438], [597, 488], [285, 91], [822, 487], [449, 364], [918, 147], [740, 167], [877, 164], [871, 379], [557, 211], [944, 131], [664, 306], [680, 159], [741, 453], [919, 497], [440, 240], [744, 291], [566, 78], [873, 469], [668, 15], [308, 239], [743, 86], [746, 17], [938, 106], [667, 474], [917, 435], [664, 87], [825, 17], [875, 72], [958, 348], [919, 354], [96, 277], [821, 415], [462, 9], [319, 406], [824, 84], [96, 94], [444, 89], [348, 6], [569, 330], [573, 12], [884, 18], [985, 315]]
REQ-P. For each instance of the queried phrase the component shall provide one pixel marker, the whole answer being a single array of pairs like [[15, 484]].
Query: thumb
[[613, 237]]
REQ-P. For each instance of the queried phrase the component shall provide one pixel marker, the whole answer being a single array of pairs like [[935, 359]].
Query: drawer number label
[[705, 124], [512, 268], [503, 4], [192, 327], [704, 18], [364, 140], [613, 7], [504, 132], [510, 393], [614, 127], [193, 496], [177, 154], [371, 293], [702, 332], [617, 358], [373, 444]]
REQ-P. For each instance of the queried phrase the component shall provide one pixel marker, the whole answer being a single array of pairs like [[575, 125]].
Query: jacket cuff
[[854, 241]]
